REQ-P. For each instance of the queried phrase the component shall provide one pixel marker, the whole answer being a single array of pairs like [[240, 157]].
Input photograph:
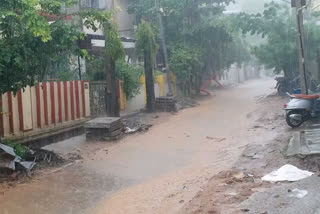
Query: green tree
[[279, 28], [184, 60], [146, 44], [193, 25], [25, 39], [113, 52], [31, 47], [279, 52]]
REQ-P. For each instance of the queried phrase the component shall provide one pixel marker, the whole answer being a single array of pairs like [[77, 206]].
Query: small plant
[[19, 149]]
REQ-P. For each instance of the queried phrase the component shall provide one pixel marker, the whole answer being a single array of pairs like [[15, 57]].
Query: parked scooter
[[302, 108]]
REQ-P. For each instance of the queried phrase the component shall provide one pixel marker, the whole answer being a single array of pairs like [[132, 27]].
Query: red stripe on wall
[[38, 105], [10, 112], [1, 118], [77, 98], [45, 102], [20, 110], [65, 92], [72, 100], [53, 104], [59, 102], [83, 100]]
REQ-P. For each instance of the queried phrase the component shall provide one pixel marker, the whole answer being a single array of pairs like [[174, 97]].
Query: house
[[95, 41], [125, 21]]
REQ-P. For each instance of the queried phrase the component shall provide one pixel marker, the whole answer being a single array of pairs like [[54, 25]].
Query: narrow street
[[159, 171]]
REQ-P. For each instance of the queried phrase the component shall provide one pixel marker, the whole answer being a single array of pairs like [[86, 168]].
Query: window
[[97, 4]]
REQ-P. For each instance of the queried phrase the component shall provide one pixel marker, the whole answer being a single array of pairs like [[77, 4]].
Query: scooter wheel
[[292, 122]]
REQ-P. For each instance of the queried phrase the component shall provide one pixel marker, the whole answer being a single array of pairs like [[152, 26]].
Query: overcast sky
[[251, 6]]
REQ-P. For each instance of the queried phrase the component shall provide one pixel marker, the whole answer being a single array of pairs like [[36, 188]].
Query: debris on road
[[186, 102], [287, 173], [306, 142], [133, 126], [257, 156], [138, 127], [13, 160], [218, 139], [129, 130], [226, 189], [17, 160], [297, 193], [249, 155]]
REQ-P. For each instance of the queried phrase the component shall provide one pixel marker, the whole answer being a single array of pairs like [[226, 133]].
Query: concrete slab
[[67, 146], [305, 142], [103, 122], [104, 129]]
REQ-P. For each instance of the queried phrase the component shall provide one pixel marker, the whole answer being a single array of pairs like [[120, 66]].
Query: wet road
[[154, 172]]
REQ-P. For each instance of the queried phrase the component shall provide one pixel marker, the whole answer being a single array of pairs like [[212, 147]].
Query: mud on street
[[207, 159]]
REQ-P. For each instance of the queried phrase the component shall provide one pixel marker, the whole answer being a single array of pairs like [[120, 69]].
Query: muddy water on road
[[187, 153], [155, 172]]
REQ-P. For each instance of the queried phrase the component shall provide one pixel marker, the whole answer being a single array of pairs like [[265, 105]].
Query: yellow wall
[[161, 82], [123, 96]]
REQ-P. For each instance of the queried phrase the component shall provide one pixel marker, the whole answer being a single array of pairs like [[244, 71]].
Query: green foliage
[[114, 46], [279, 27], [25, 57], [65, 75], [96, 19], [96, 68], [23, 30], [31, 47], [146, 39], [130, 74], [104, 19], [198, 35], [19, 149], [183, 62]]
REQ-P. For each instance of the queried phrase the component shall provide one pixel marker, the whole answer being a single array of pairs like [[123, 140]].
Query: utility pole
[[164, 47], [299, 5], [79, 67]]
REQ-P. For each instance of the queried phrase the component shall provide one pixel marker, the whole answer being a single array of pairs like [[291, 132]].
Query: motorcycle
[[301, 108], [282, 85], [285, 85]]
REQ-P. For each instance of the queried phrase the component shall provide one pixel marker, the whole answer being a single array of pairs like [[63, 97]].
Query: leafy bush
[[184, 61], [130, 74]]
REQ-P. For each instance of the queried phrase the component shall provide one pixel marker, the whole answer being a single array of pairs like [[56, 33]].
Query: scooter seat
[[307, 97]]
